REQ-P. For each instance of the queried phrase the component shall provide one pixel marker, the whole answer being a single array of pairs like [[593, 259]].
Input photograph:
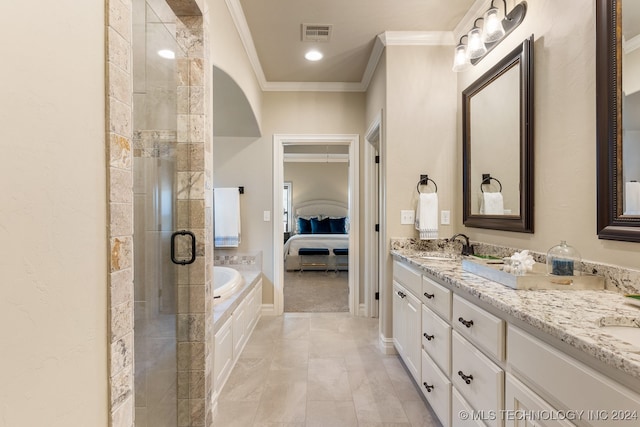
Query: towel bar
[[486, 179], [424, 180]]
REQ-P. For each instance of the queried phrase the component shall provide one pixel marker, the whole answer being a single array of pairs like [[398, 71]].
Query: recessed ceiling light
[[313, 55], [166, 53]]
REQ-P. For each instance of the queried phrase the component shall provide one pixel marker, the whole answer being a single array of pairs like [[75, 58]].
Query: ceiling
[[273, 36]]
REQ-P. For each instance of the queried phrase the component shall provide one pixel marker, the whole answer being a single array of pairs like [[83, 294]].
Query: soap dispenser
[[563, 260]]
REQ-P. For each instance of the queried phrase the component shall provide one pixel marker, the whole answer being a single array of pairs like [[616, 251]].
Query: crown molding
[[417, 38], [239, 20], [387, 38]]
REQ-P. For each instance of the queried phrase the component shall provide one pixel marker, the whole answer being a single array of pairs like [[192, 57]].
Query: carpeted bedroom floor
[[316, 291]]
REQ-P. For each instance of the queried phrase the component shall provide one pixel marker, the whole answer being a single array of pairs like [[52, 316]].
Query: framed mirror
[[497, 145], [618, 119]]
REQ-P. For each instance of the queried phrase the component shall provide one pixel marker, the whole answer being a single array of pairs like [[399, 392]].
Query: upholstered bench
[[342, 257], [310, 257]]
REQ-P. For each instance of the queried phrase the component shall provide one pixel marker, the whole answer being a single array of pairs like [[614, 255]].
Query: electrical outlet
[[445, 217], [407, 217]]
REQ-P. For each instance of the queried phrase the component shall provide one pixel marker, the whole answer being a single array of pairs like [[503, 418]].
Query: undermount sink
[[439, 256], [626, 329]]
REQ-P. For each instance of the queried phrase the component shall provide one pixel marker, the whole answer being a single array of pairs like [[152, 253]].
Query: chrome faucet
[[467, 247]]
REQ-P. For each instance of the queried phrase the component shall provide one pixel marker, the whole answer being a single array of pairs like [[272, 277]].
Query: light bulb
[[460, 60], [313, 55], [493, 29], [475, 46]]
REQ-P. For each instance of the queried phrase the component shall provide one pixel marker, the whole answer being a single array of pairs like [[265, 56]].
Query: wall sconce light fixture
[[480, 41]]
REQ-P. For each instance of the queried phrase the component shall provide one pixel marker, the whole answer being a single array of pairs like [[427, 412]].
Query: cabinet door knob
[[428, 337], [429, 296], [467, 378], [467, 323], [428, 387]]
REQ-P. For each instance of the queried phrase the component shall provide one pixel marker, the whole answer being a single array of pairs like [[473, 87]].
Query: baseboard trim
[[268, 310], [362, 310], [387, 345]]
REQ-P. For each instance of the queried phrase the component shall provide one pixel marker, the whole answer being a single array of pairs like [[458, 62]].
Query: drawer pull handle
[[467, 378], [429, 296], [428, 387], [428, 337], [401, 294], [467, 323]]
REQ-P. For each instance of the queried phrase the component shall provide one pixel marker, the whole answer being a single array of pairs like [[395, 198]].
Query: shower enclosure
[[156, 197]]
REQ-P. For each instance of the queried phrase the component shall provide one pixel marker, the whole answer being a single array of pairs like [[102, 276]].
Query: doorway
[[351, 141]]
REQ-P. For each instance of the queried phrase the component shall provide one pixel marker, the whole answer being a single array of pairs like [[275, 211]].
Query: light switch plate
[[407, 217], [445, 217]]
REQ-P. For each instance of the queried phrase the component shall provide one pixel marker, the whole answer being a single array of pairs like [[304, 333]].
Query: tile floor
[[319, 369]]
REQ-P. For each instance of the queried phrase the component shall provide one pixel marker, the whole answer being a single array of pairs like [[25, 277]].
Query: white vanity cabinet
[[481, 366], [223, 355], [569, 382], [406, 328], [478, 379], [521, 403], [443, 351], [233, 335]]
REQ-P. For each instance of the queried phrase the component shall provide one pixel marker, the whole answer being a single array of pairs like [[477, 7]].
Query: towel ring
[[487, 180], [425, 181]]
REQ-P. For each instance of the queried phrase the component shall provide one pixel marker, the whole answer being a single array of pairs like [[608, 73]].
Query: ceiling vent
[[316, 32]]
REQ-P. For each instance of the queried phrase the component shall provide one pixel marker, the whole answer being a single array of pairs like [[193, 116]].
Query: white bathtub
[[225, 281]]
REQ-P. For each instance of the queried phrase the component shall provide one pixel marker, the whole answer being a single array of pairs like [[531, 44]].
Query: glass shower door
[[155, 208]]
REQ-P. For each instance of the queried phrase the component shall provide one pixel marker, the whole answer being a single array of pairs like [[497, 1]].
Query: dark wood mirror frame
[[612, 225], [523, 223]]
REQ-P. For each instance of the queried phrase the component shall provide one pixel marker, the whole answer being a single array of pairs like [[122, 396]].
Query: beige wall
[[419, 138], [249, 163], [314, 181], [53, 268], [565, 133], [228, 54]]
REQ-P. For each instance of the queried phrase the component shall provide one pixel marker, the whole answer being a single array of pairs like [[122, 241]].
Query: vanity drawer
[[437, 297], [436, 387], [481, 327], [477, 378], [570, 382], [459, 406], [436, 339], [408, 277]]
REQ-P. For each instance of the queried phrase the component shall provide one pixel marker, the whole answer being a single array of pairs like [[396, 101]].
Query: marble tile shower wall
[[195, 307], [617, 279], [194, 164], [120, 191]]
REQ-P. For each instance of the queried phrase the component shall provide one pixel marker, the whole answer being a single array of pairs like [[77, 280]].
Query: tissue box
[[538, 278]]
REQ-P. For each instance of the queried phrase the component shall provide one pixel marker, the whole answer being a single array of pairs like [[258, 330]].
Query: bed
[[319, 225]]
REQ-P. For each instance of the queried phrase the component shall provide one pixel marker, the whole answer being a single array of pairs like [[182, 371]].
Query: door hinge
[[377, 159], [377, 295], [377, 227]]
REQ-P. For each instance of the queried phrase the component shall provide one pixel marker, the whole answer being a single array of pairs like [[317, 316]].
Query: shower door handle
[[173, 247]]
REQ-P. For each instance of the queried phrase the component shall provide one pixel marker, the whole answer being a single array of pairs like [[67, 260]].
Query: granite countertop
[[571, 316]]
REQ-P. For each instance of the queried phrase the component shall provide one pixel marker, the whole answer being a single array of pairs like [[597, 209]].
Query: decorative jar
[[563, 260]]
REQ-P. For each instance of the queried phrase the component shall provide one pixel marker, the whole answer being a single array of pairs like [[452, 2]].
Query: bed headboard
[[322, 207]]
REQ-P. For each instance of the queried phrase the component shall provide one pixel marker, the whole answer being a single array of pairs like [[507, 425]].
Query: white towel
[[226, 206], [427, 216], [491, 204], [632, 198]]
